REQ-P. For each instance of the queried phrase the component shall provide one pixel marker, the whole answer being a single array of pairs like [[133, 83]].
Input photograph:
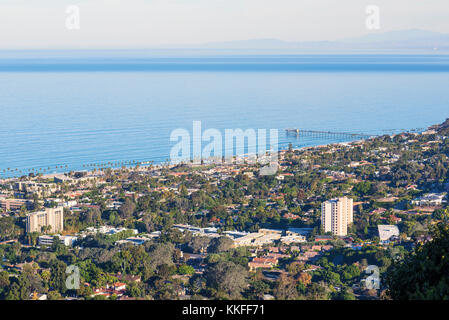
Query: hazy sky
[[147, 23]]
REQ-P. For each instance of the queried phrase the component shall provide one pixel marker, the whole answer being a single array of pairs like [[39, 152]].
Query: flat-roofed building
[[430, 199], [51, 218], [270, 231], [38, 188], [247, 240], [293, 239], [299, 231], [387, 232], [336, 215], [45, 240], [258, 239], [15, 204]]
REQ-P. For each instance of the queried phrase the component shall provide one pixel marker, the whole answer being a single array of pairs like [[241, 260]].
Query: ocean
[[66, 112]]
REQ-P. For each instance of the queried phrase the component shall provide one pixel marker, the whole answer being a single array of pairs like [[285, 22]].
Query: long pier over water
[[328, 134]]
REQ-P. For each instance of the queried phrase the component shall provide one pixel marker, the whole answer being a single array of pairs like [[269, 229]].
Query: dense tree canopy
[[423, 274], [227, 278]]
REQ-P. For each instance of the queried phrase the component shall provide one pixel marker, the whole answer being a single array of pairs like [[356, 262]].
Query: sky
[[42, 24]]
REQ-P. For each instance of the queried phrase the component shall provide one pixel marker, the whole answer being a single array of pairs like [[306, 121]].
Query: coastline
[[160, 166], [149, 166]]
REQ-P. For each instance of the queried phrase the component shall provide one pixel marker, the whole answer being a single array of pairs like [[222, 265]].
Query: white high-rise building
[[336, 215]]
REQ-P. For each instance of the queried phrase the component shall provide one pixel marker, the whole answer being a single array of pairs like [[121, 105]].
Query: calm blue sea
[[70, 110]]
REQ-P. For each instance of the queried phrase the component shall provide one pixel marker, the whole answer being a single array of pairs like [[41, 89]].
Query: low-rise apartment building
[[15, 204]]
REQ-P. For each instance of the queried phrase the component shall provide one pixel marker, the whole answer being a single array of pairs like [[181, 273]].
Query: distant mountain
[[251, 44], [273, 44], [402, 39], [393, 40]]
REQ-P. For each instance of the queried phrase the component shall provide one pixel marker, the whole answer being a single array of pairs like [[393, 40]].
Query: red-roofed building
[[118, 288], [291, 216], [262, 262], [271, 260]]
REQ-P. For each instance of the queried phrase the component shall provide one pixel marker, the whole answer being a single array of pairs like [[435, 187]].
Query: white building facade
[[336, 215], [52, 218]]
